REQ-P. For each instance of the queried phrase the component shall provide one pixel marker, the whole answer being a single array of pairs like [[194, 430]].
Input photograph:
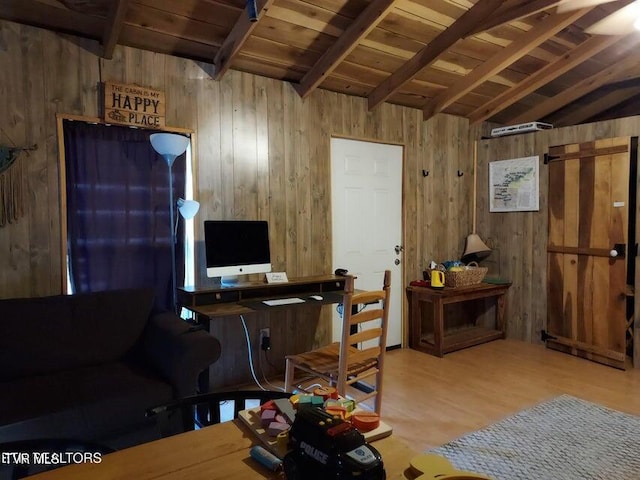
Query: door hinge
[[544, 336]]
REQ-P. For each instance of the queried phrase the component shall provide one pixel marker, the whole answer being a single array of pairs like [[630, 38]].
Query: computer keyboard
[[282, 301]]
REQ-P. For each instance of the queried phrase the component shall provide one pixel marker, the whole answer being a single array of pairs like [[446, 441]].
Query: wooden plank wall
[[261, 153], [521, 237]]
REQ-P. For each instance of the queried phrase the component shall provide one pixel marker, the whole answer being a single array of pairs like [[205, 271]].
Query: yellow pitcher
[[437, 279]]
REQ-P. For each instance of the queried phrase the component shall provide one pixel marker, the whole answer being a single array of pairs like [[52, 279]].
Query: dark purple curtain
[[118, 232]]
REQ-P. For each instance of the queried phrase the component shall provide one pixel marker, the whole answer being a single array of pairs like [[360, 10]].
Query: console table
[[427, 305]]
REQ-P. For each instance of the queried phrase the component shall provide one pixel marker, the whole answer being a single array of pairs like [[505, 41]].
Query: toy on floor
[[435, 467]]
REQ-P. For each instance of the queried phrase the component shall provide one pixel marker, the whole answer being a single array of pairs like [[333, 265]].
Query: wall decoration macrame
[[12, 184]]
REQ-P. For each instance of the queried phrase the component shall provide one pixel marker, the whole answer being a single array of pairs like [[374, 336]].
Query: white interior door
[[366, 199]]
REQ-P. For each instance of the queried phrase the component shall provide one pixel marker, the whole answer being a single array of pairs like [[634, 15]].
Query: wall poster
[[514, 185]]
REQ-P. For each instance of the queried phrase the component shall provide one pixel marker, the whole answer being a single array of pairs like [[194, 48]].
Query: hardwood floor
[[430, 401]]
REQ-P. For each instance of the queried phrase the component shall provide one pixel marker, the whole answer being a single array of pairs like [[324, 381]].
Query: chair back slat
[[371, 296], [213, 412], [238, 406], [361, 356], [365, 335], [186, 416], [366, 316]]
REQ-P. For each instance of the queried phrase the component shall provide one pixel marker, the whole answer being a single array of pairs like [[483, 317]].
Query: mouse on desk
[[316, 297]]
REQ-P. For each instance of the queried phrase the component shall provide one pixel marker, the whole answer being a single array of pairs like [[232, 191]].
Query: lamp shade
[[169, 144], [475, 249], [188, 208]]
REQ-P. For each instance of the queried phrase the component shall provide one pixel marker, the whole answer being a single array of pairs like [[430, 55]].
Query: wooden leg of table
[[415, 317], [289, 376], [500, 307], [438, 327]]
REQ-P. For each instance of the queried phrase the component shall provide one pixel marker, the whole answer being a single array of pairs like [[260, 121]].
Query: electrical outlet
[[265, 338]]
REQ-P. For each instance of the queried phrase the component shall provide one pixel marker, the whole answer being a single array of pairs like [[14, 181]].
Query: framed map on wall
[[514, 185]]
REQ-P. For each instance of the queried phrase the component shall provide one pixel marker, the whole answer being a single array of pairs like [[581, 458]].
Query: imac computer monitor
[[236, 247]]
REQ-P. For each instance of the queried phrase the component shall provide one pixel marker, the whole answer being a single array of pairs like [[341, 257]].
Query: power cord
[[266, 357], [264, 376], [246, 336], [308, 388]]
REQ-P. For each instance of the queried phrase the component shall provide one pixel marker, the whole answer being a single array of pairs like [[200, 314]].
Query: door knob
[[397, 261], [618, 250], [398, 249]]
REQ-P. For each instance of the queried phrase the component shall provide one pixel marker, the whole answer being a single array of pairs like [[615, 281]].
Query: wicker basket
[[471, 275]]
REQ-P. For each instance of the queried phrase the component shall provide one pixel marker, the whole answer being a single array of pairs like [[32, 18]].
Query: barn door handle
[[618, 250]]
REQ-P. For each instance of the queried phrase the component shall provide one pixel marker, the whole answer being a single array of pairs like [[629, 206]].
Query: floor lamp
[[169, 146], [475, 249]]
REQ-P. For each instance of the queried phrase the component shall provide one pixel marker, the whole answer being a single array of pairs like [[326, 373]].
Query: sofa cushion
[[49, 334], [87, 403]]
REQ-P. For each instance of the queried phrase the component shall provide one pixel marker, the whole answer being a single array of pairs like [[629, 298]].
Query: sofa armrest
[[178, 351]]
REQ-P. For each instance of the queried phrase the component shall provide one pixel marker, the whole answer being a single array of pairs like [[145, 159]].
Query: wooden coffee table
[[216, 452]]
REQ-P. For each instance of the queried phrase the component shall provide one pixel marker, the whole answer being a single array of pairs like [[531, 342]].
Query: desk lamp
[[169, 146]]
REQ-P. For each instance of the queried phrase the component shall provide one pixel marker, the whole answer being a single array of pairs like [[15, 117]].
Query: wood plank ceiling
[[506, 62]]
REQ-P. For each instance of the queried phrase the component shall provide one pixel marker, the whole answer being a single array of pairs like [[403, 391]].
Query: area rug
[[565, 438]]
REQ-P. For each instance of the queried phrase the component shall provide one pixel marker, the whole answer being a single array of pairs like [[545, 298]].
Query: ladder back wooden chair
[[360, 353]]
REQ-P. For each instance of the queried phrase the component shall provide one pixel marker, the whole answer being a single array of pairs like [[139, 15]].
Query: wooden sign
[[133, 105]]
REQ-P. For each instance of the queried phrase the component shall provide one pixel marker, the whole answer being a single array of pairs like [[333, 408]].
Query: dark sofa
[[88, 366]]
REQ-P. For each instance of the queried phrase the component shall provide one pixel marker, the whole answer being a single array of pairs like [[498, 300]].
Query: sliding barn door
[[588, 218]]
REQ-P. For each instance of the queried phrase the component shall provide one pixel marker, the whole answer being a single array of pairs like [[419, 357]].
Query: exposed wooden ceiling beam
[[599, 105], [138, 37], [628, 108], [459, 29], [236, 38], [514, 10], [621, 70], [553, 70], [359, 29], [113, 27], [544, 30], [52, 18]]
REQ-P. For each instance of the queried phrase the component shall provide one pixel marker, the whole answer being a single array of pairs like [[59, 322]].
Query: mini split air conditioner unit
[[521, 128]]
